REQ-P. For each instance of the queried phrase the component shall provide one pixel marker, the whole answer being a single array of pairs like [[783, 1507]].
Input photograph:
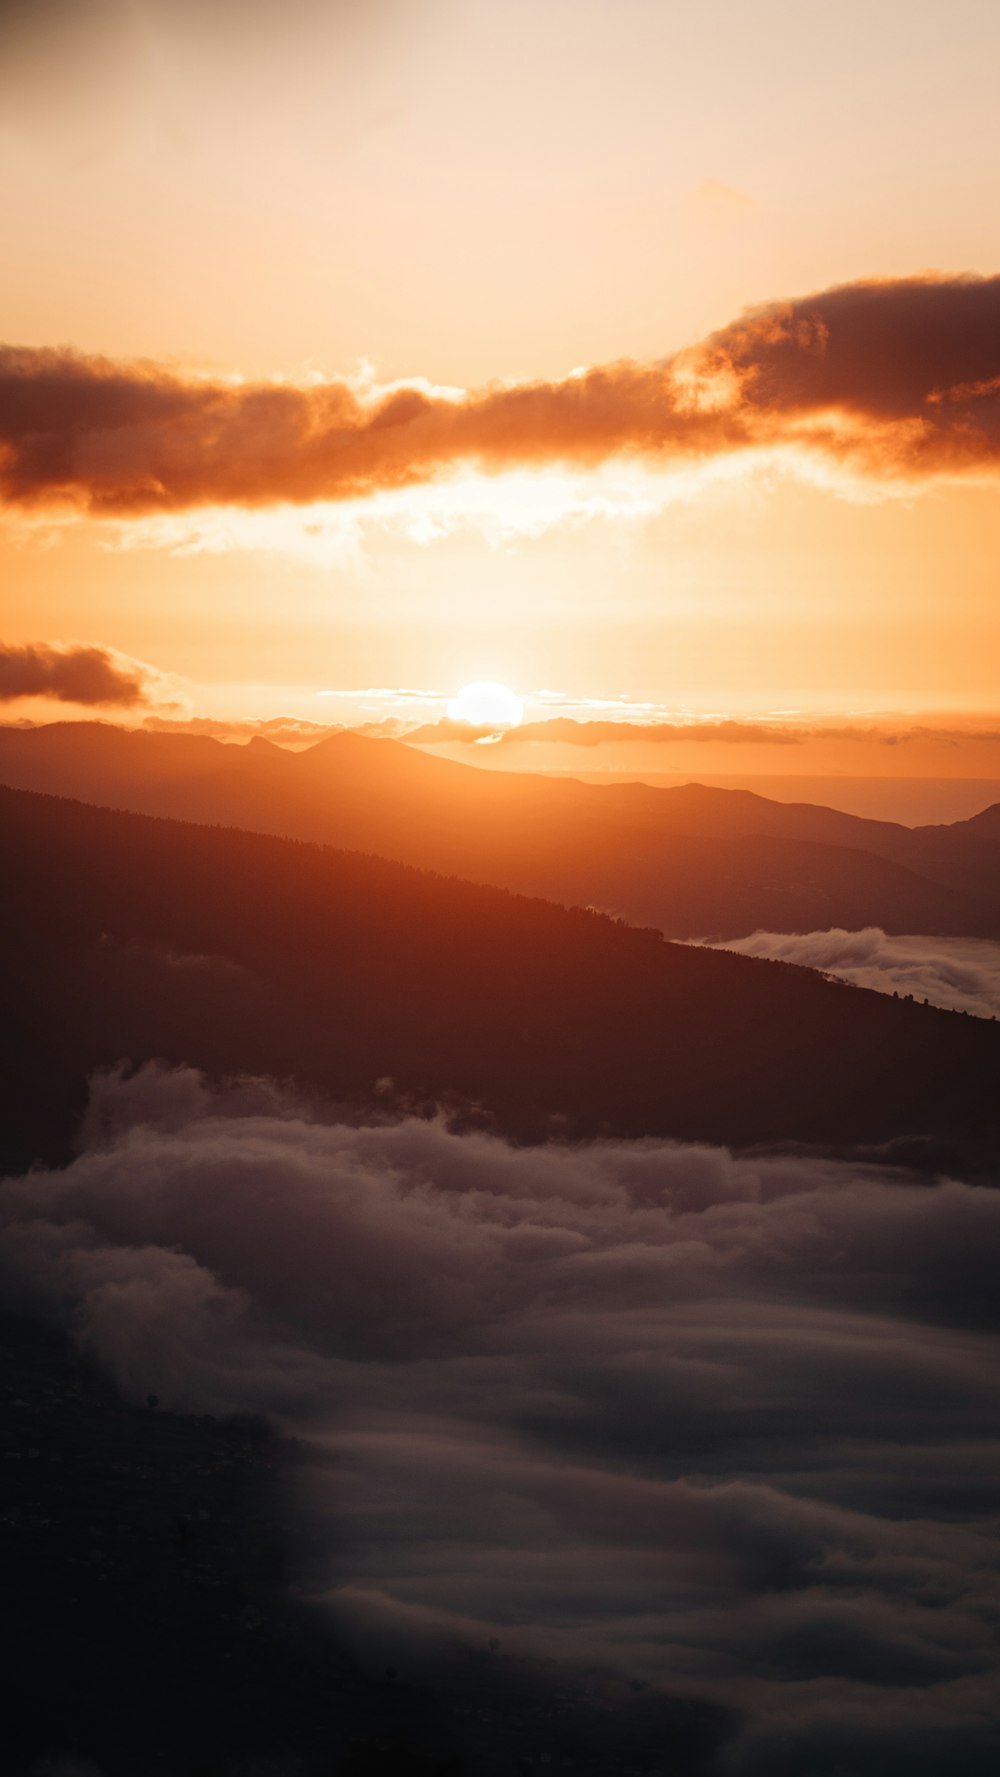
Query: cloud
[[892, 381], [589, 731], [567, 731], [960, 974], [726, 1425], [282, 731], [74, 673], [594, 731]]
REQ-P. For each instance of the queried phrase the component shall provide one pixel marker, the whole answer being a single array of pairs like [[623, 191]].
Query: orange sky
[[467, 195]]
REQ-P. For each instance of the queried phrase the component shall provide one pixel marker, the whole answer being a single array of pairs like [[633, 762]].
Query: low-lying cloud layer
[[567, 731], [728, 1425], [891, 380], [74, 673], [724, 730], [960, 974]]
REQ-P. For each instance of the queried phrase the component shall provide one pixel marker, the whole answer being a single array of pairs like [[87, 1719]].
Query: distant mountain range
[[126, 938], [695, 862]]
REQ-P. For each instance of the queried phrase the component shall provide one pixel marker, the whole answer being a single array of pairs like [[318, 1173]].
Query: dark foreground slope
[[148, 1561], [692, 861], [125, 937]]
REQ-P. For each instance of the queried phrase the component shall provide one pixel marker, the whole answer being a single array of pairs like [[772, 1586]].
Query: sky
[[632, 356]]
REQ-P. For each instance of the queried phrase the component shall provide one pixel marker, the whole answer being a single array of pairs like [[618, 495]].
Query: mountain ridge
[[697, 862], [127, 937]]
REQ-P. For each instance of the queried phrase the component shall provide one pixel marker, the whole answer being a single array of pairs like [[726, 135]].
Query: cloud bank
[[960, 974], [293, 732], [567, 731], [74, 673], [896, 380], [727, 1425], [594, 732]]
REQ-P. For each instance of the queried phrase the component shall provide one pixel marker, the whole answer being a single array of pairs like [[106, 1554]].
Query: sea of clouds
[[729, 1426], [960, 974]]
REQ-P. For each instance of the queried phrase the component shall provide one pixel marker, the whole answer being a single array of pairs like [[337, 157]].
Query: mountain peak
[[988, 819]]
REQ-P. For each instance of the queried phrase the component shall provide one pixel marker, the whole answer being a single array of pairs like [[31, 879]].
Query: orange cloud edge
[[893, 380]]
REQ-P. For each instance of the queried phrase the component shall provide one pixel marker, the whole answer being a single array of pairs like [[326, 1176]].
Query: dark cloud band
[[897, 379], [73, 674]]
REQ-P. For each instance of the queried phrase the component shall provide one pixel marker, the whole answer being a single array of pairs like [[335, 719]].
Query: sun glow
[[486, 704]]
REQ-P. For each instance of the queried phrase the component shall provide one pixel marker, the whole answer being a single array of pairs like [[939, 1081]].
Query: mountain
[[693, 861], [124, 937], [963, 856]]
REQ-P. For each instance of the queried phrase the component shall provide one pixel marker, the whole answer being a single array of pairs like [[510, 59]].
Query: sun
[[486, 705]]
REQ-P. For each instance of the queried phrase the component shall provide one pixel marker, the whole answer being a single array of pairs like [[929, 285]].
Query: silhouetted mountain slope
[[984, 826], [963, 856], [143, 1559], [125, 938], [693, 861]]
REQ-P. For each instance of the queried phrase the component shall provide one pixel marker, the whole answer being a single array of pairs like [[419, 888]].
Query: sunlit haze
[[335, 217]]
